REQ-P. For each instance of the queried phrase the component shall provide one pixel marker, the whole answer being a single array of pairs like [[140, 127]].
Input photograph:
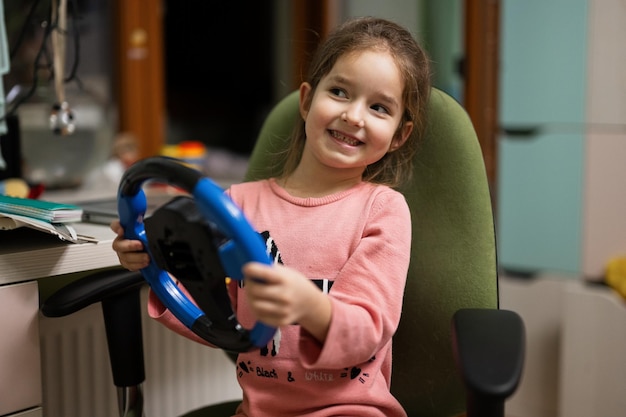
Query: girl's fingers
[[259, 271], [116, 227], [127, 245]]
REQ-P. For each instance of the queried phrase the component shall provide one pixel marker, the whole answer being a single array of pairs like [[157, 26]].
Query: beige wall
[[604, 215]]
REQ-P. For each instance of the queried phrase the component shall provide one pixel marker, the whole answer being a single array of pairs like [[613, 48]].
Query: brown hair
[[366, 33]]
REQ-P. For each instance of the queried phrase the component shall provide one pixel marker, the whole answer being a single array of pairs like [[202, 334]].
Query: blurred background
[[544, 82], [544, 89]]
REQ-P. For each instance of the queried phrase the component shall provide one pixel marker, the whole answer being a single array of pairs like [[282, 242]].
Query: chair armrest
[[488, 345], [89, 290], [118, 293]]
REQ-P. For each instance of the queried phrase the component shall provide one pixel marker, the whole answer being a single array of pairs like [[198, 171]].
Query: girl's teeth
[[342, 138]]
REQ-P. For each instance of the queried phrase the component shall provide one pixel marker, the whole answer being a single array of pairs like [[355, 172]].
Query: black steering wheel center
[[185, 244]]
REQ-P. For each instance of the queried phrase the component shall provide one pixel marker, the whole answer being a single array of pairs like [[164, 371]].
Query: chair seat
[[225, 409]]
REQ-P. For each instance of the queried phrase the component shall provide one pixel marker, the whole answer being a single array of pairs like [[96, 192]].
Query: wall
[[404, 12], [443, 25], [604, 225]]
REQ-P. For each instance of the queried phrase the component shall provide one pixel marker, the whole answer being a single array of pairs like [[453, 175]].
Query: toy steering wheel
[[218, 231]]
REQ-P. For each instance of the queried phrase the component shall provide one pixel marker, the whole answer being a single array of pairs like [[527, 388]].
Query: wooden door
[[481, 72], [139, 77]]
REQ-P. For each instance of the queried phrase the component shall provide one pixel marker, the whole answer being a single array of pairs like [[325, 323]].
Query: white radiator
[[180, 375]]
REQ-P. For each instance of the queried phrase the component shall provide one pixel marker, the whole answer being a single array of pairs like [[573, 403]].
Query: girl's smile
[[344, 139]]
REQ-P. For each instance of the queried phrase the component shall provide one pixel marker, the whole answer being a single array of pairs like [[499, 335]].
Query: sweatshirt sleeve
[[367, 294], [158, 311]]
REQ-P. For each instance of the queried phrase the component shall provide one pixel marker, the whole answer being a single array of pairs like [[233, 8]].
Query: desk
[[27, 256], [30, 262], [34, 263]]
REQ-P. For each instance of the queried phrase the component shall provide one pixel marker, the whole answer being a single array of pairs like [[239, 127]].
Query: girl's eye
[[338, 92], [380, 108]]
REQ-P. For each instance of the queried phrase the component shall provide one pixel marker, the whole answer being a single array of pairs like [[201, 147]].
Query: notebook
[[104, 211], [48, 211]]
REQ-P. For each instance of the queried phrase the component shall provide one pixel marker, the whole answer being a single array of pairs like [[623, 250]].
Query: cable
[[54, 28]]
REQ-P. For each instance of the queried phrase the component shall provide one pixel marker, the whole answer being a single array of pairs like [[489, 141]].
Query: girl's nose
[[354, 116]]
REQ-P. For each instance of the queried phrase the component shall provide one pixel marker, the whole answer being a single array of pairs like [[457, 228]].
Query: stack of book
[[46, 216]]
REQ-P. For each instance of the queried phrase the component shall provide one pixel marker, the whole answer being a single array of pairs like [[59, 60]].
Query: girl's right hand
[[131, 253]]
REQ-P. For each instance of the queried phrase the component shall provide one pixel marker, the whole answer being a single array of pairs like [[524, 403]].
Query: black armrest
[[489, 347], [89, 290], [118, 291]]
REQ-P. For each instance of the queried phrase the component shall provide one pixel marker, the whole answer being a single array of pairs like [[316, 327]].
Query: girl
[[339, 225]]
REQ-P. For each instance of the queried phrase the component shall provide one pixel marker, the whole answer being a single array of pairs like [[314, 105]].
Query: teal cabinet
[[541, 158]]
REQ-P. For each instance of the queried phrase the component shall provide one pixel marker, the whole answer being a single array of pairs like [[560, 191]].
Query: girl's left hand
[[280, 296]]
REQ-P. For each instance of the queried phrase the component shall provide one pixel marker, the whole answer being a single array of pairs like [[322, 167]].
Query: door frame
[[481, 78], [139, 87]]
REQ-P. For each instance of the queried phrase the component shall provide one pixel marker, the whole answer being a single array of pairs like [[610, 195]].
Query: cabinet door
[[542, 106], [20, 365]]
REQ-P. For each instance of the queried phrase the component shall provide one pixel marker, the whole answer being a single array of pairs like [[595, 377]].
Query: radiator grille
[[180, 375]]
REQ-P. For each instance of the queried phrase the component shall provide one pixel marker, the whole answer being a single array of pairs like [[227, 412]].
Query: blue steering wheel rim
[[244, 244]]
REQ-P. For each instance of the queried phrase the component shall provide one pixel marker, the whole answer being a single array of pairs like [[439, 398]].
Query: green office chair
[[454, 351]]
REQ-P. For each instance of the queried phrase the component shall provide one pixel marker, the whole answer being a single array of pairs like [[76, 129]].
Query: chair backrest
[[453, 255]]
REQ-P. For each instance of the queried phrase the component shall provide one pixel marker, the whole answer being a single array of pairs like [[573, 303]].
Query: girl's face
[[355, 111]]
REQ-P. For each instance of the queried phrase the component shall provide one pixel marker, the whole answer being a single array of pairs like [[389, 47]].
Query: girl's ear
[[305, 99], [401, 136]]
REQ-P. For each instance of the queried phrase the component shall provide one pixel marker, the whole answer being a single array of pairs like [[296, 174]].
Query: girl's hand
[[280, 296], [131, 253]]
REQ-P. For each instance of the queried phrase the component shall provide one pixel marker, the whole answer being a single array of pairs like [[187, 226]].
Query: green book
[[48, 211]]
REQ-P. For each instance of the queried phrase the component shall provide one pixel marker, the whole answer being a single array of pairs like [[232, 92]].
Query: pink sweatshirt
[[357, 240]]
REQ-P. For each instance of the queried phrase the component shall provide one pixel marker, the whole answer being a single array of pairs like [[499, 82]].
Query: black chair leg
[[122, 320], [484, 407]]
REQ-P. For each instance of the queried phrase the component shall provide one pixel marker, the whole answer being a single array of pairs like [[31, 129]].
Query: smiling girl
[[342, 232]]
